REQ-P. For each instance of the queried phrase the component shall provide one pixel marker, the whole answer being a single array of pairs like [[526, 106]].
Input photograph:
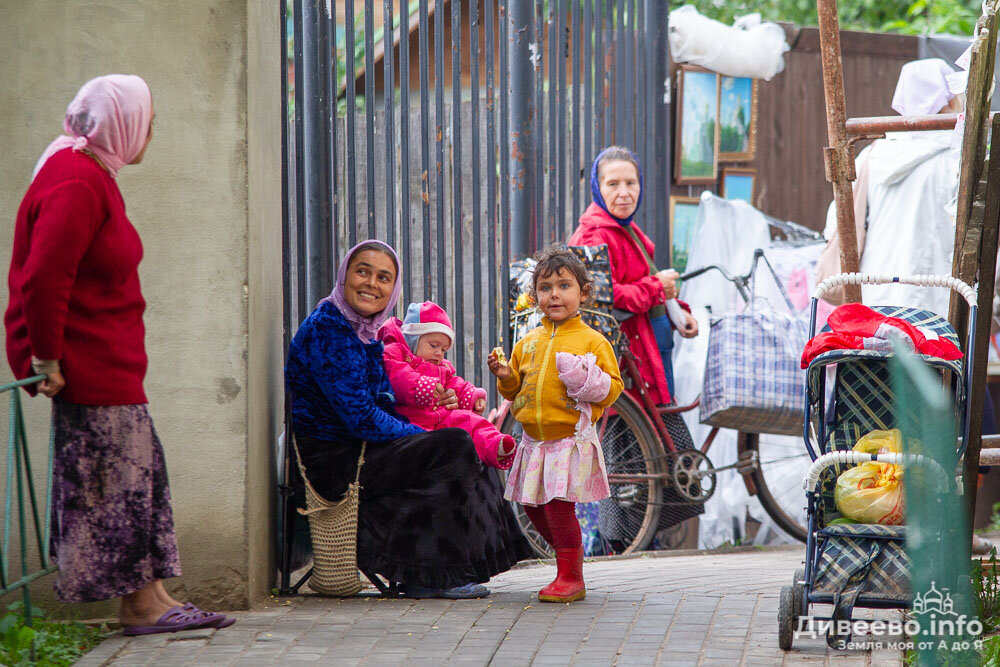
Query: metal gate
[[461, 133]]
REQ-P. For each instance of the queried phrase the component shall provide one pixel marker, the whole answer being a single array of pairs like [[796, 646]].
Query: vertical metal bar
[[491, 173], [404, 146], [332, 85], [425, 145], [19, 478], [300, 192], [456, 173], [659, 126], [575, 109], [316, 151], [521, 97], [839, 155], [30, 479], [507, 150], [439, 288], [287, 512], [589, 128], [477, 242], [551, 174], [621, 72], [561, 174], [642, 94], [599, 66], [609, 70], [8, 489], [538, 200], [388, 87], [631, 67], [350, 143], [286, 232], [370, 115]]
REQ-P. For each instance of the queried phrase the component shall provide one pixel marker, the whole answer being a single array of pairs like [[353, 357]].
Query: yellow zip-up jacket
[[538, 396]]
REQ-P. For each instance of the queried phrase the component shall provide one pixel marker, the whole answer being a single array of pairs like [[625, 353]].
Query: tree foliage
[[907, 17]]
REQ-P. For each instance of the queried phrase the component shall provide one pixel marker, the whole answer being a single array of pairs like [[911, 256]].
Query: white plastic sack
[[747, 48], [728, 233]]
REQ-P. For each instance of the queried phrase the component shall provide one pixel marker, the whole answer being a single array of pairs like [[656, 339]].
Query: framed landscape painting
[[697, 151], [737, 118], [683, 223], [738, 183]]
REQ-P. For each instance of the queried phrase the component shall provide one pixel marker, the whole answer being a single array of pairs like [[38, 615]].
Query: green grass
[[991, 651], [57, 643]]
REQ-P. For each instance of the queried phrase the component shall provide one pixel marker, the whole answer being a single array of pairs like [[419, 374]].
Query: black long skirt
[[430, 513]]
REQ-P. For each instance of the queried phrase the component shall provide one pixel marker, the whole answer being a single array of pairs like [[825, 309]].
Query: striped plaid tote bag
[[753, 382]]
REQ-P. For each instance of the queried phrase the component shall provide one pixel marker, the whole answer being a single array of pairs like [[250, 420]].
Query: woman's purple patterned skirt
[[112, 526]]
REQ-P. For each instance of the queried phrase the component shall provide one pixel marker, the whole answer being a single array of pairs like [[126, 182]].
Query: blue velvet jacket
[[339, 387]]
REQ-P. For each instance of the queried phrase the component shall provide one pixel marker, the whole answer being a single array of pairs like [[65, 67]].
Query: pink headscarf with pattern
[[364, 326], [110, 118]]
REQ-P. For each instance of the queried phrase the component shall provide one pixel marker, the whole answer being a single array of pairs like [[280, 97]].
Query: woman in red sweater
[[75, 316]]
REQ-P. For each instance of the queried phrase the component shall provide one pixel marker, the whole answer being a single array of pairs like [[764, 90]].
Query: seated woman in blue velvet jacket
[[431, 517]]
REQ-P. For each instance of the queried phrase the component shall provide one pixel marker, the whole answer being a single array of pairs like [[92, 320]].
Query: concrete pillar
[[207, 203]]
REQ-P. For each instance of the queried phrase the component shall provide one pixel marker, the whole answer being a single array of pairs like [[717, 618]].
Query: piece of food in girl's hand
[[498, 353]]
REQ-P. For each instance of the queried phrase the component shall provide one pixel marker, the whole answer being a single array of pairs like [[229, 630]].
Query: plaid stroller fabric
[[865, 400], [753, 381], [861, 561]]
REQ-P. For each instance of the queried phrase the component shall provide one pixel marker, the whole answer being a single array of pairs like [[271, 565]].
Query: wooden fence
[[791, 130]]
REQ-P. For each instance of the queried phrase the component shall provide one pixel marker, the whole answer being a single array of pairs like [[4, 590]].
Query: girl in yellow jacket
[[560, 378]]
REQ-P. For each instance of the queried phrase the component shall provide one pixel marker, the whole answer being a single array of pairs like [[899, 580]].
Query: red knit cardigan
[[74, 284]]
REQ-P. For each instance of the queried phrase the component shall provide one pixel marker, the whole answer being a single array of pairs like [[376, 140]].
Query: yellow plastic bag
[[873, 492]]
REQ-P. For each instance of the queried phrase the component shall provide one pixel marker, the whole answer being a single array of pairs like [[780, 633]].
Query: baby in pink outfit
[[419, 373]]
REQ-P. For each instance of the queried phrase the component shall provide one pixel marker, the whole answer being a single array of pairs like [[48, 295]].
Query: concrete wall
[[206, 202]]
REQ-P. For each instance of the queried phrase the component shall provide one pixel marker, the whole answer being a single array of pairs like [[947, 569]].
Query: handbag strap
[[659, 310], [642, 249], [302, 468]]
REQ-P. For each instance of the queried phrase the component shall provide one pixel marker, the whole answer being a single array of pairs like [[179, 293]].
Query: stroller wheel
[[799, 591], [786, 617]]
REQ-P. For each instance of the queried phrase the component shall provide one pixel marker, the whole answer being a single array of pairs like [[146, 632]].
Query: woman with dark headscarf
[[75, 316], [431, 517], [616, 186]]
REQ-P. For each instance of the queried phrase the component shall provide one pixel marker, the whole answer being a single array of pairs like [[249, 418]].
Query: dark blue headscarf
[[595, 187]]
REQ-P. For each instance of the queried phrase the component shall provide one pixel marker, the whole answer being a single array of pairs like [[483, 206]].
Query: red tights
[[556, 521]]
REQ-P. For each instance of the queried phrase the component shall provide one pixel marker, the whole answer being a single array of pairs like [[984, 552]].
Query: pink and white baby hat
[[424, 318]]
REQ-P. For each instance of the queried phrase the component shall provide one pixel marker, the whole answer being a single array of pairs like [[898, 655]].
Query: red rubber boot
[[565, 528], [568, 586]]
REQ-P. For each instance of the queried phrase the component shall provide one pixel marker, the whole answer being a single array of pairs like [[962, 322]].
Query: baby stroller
[[856, 564]]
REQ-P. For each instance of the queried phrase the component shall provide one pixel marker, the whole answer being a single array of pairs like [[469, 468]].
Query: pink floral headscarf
[[110, 118]]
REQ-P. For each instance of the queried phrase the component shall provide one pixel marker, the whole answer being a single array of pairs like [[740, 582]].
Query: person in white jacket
[[909, 181]]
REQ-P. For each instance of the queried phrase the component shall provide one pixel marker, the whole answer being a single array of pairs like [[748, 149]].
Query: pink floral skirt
[[566, 469]]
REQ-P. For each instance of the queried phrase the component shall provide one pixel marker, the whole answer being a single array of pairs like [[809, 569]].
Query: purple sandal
[[224, 623], [176, 619]]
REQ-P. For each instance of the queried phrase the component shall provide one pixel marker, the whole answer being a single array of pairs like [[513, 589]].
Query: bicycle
[[651, 469]]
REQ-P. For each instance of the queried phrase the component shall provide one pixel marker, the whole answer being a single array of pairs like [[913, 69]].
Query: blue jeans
[[664, 332]]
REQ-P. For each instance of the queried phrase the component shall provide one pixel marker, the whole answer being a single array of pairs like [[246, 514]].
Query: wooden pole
[[839, 155]]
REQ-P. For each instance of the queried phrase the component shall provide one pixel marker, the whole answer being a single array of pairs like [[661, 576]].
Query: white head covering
[[922, 87]]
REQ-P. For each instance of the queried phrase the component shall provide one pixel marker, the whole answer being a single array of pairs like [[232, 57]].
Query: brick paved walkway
[[707, 609]]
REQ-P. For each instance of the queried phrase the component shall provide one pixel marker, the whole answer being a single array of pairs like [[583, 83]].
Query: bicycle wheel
[[780, 466], [627, 519]]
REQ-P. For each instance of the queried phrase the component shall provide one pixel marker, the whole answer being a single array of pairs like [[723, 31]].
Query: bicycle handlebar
[[742, 282]]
